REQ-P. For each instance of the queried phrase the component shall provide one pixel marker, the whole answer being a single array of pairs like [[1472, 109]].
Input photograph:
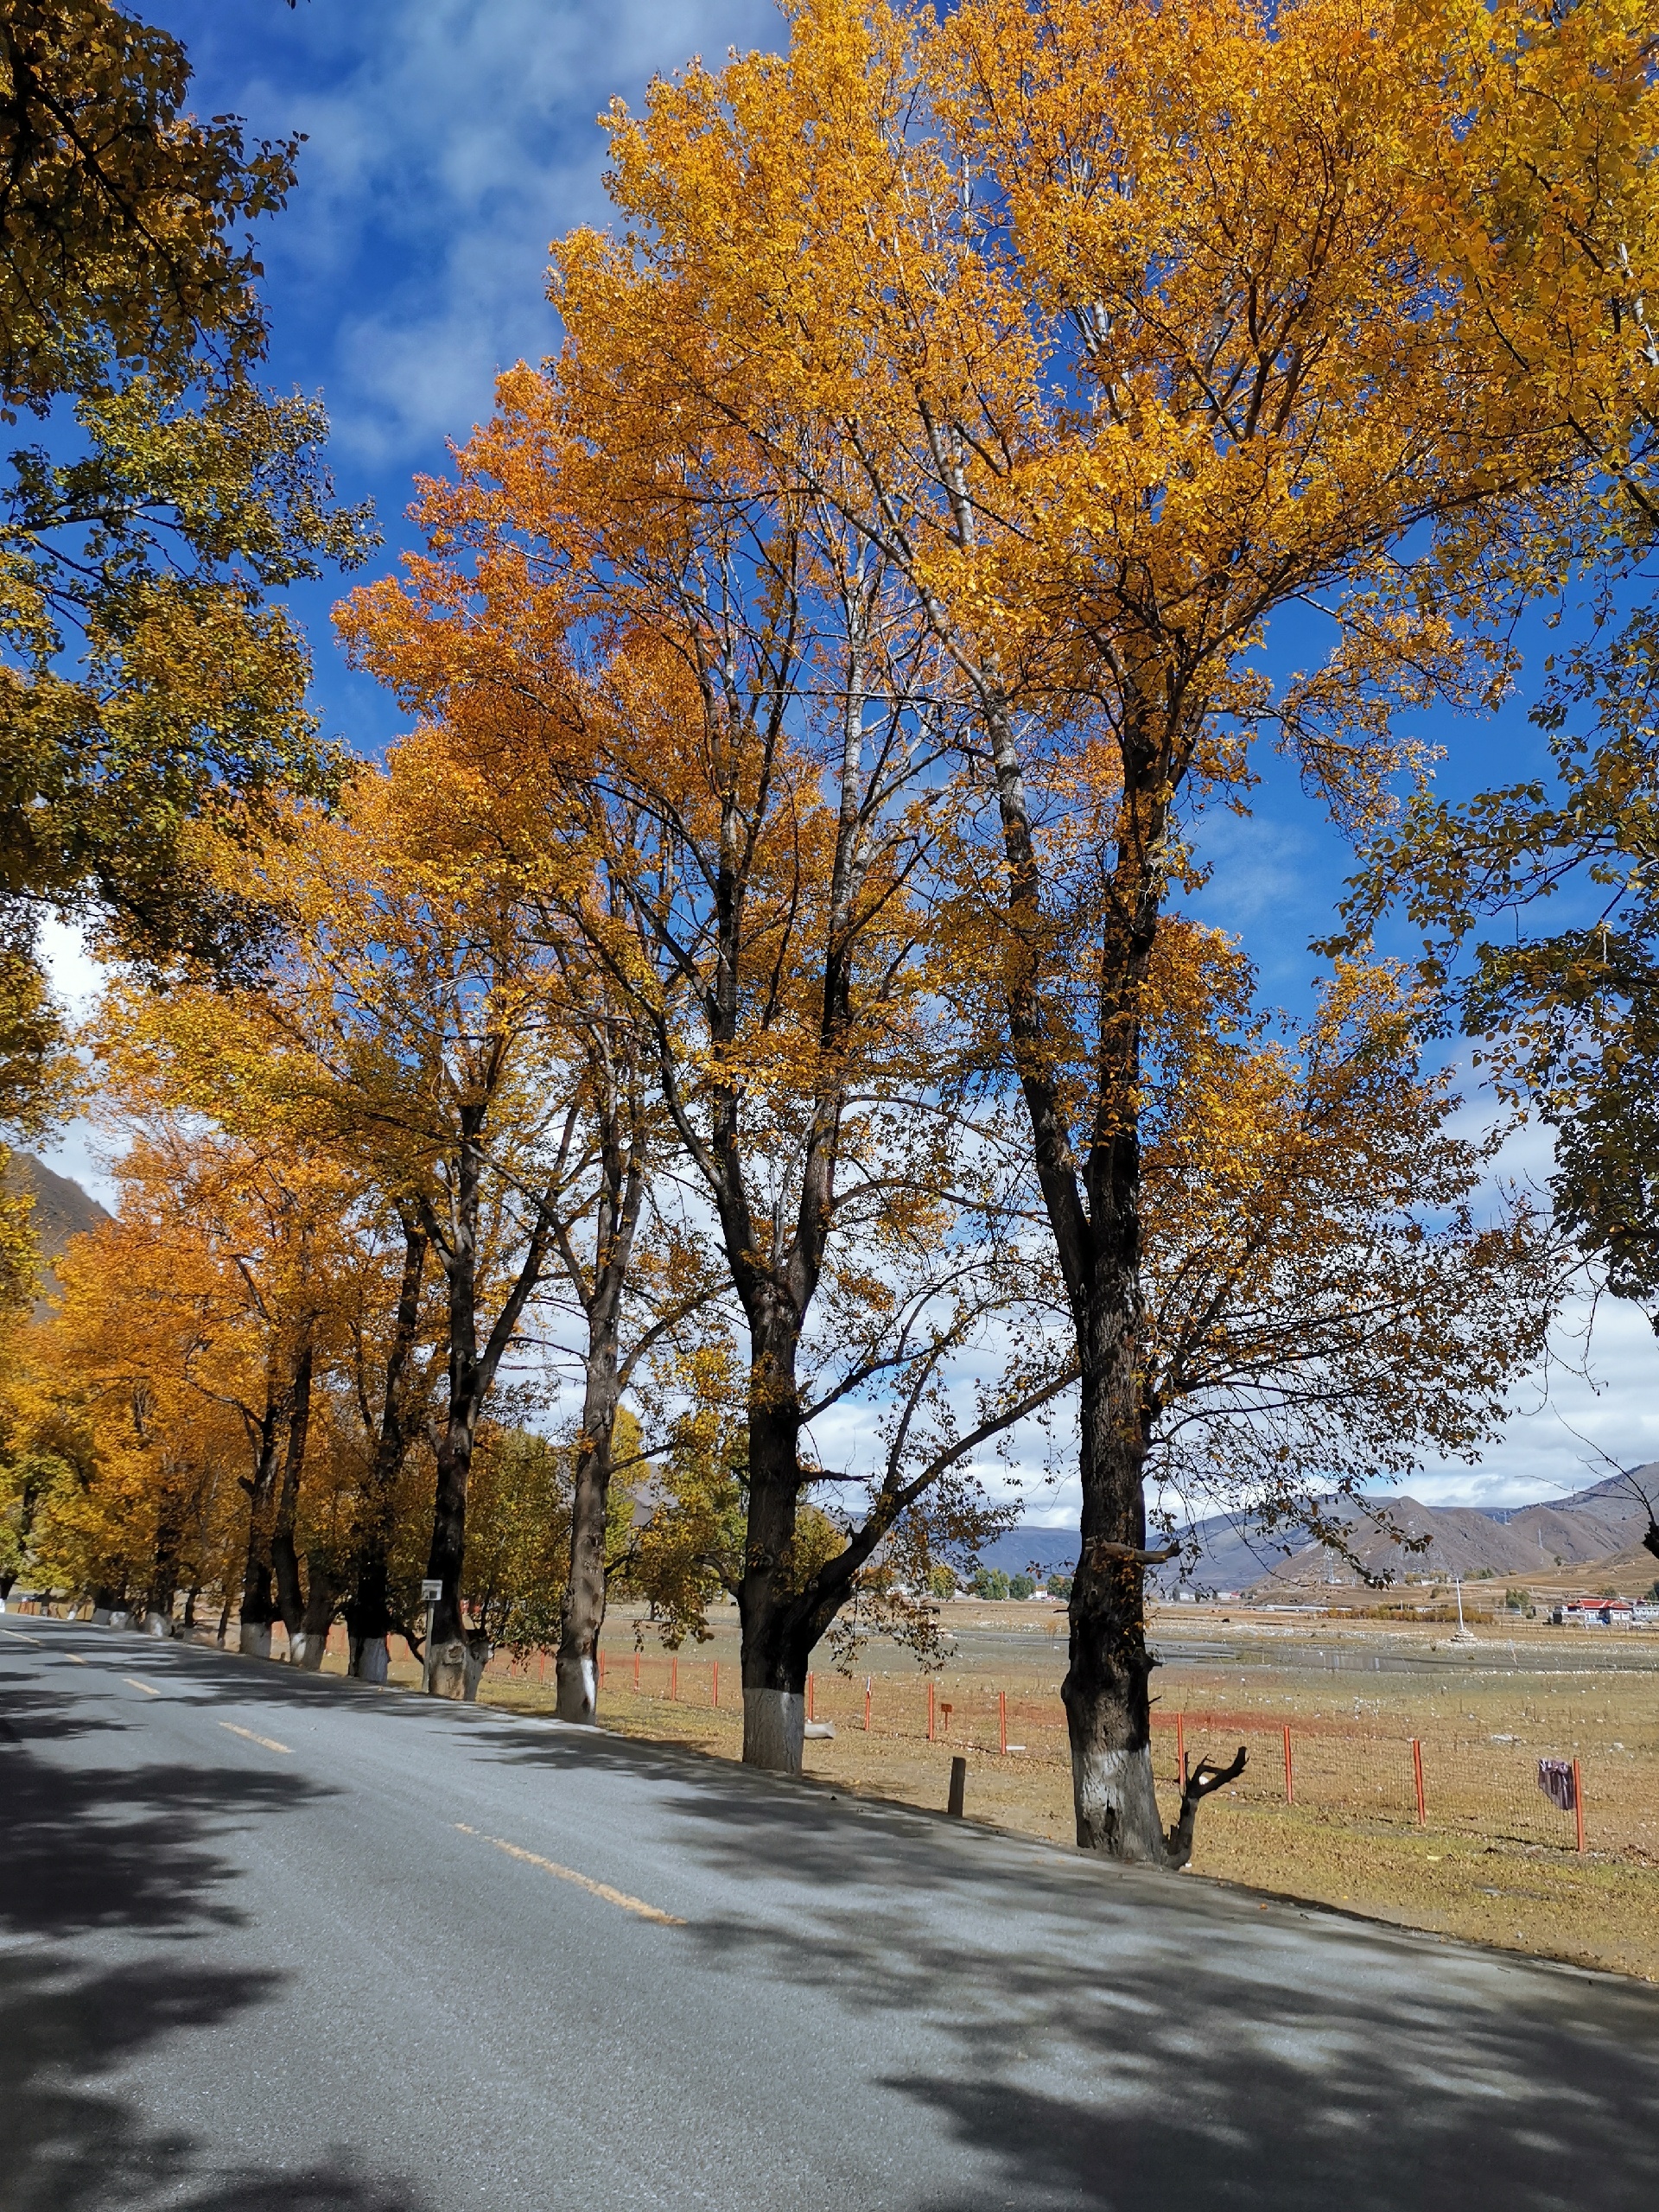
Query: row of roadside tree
[[746, 1059]]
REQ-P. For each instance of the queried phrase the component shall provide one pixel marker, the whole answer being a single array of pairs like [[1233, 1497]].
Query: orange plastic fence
[[1337, 1768]]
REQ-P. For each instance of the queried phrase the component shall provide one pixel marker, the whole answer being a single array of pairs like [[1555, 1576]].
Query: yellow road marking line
[[74, 1658], [133, 1683], [17, 1637], [269, 1742], [582, 1881]]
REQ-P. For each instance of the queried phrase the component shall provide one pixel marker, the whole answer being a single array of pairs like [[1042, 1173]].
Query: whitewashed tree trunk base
[[120, 1618], [306, 1651], [99, 1617], [774, 1726], [158, 1624], [457, 1669], [253, 1640], [370, 1661], [578, 1697], [1117, 1806]]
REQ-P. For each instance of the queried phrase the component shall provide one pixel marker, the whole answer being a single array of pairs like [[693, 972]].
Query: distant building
[[1596, 1612]]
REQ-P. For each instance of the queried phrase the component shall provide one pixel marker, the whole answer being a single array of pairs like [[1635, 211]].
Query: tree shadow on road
[[38, 1716], [129, 1848], [1135, 2040], [69, 2142], [129, 1855]]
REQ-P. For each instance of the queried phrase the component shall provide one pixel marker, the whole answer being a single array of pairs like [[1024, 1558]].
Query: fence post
[[1290, 1772], [930, 1708], [601, 1670], [810, 1713], [541, 1673], [867, 1704], [1578, 1802], [674, 1675], [636, 1673], [1417, 1771], [958, 1786], [1180, 1746], [1003, 1722], [717, 1685]]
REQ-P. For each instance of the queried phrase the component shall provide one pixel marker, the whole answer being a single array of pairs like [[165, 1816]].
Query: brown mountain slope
[[1592, 1527], [62, 1209]]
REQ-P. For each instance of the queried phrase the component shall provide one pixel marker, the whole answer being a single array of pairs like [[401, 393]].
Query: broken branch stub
[[1205, 1779]]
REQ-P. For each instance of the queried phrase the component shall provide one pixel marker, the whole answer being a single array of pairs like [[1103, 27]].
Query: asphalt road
[[273, 1943]]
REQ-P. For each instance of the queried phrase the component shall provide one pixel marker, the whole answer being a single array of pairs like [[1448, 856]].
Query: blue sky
[[448, 142]]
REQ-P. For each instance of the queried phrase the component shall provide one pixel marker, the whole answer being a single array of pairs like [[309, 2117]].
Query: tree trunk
[[285, 1557], [775, 1651], [581, 1609], [1105, 1691], [258, 1611], [774, 1726], [1096, 1219], [457, 1660], [306, 1648], [368, 1621], [164, 1573], [1109, 1716], [455, 1668], [368, 1616]]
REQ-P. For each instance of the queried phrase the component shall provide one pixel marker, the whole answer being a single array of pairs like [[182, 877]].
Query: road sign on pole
[[431, 1594]]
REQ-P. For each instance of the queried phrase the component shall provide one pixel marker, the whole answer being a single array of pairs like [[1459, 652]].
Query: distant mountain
[[1052, 1551], [1462, 1540], [1235, 1552], [62, 1208]]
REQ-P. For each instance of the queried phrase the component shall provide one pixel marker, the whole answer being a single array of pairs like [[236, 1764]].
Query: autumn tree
[[421, 1010], [265, 1226], [1330, 1292], [519, 1543], [1132, 325], [145, 675], [629, 1274], [359, 1325], [146, 1417], [1552, 223], [1555, 225], [1535, 909], [636, 1275], [395, 1353], [703, 718]]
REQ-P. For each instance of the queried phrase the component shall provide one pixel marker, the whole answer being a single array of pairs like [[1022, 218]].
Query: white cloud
[[1601, 1404], [76, 975], [77, 1149], [1261, 866], [447, 144]]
